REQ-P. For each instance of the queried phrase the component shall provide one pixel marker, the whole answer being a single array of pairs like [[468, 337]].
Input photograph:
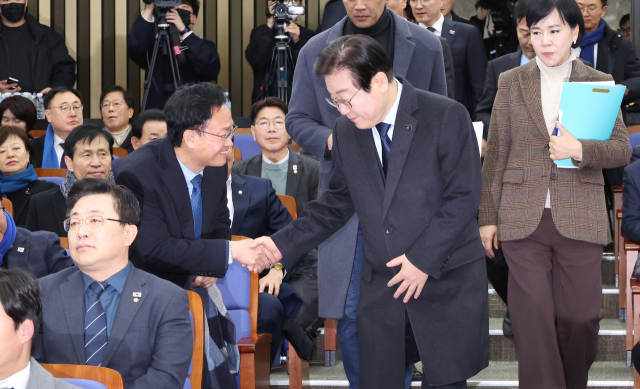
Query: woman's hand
[[489, 236], [565, 146]]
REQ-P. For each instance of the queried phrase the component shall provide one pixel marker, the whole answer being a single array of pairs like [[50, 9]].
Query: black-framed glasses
[[93, 222], [226, 136], [337, 102]]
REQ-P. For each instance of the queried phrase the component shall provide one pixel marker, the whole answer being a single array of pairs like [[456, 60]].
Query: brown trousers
[[555, 297]]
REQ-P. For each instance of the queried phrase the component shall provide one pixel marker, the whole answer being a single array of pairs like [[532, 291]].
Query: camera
[[284, 13], [164, 3], [502, 15]]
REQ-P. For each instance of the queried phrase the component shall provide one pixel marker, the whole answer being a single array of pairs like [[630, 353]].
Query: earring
[[574, 42]]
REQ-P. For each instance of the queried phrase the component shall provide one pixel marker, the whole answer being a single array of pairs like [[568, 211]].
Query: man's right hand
[[148, 11], [254, 257], [489, 236], [268, 245], [4, 88]]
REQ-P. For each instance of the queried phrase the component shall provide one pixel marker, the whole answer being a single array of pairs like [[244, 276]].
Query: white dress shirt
[[438, 25], [230, 200], [59, 149], [18, 380], [390, 119]]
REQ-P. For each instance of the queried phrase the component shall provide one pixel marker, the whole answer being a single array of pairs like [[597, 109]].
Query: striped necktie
[[196, 205], [95, 333], [385, 142]]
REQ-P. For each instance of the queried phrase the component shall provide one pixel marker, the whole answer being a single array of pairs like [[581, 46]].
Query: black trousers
[[498, 273]]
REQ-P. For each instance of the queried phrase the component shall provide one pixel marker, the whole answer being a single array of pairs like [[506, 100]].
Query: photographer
[[202, 60], [492, 16], [262, 42]]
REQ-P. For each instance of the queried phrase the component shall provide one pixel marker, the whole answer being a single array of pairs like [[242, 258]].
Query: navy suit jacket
[[151, 341], [469, 61], [39, 253], [165, 245], [631, 198], [257, 210]]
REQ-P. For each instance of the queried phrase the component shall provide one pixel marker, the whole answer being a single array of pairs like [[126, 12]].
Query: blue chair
[[56, 180], [248, 147], [239, 289], [634, 139], [86, 377]]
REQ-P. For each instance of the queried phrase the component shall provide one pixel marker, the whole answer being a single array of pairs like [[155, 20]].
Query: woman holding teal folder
[[551, 221]]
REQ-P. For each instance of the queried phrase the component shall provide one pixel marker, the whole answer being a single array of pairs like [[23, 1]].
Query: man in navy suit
[[467, 49], [105, 312]]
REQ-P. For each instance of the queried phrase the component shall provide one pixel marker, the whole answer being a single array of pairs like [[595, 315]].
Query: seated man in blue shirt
[[105, 312]]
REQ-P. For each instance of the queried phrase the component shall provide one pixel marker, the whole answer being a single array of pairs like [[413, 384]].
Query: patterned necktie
[[63, 164], [433, 30], [95, 333], [383, 128], [196, 205]]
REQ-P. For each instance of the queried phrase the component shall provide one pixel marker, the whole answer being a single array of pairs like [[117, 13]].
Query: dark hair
[[520, 10], [361, 55], [147, 116], [625, 18], [604, 2], [8, 131], [128, 97], [569, 13], [86, 133], [409, 12], [268, 102], [56, 91], [191, 107], [125, 202], [22, 108], [195, 4], [21, 299]]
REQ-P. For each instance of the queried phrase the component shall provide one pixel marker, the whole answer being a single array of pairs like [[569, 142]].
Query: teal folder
[[589, 111]]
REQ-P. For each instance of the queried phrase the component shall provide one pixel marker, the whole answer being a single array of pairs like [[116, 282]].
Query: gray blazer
[[301, 185], [151, 341], [38, 252], [417, 57], [39, 378]]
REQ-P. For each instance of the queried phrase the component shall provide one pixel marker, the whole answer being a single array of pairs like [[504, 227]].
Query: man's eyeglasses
[[93, 222], [226, 136], [264, 124], [66, 109], [337, 102], [116, 104], [590, 10], [416, 2], [625, 31]]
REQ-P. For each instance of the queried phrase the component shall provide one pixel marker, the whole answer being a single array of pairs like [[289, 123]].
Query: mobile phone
[[12, 81]]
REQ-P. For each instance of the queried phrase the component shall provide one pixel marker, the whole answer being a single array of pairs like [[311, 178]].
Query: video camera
[[162, 7], [504, 26], [284, 13]]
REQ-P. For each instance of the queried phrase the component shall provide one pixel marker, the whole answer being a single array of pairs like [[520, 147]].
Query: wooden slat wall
[[95, 32]]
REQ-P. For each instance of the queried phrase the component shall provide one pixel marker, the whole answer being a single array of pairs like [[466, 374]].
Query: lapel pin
[[137, 294], [21, 249], [135, 300], [408, 128], [295, 169], [239, 192], [451, 32]]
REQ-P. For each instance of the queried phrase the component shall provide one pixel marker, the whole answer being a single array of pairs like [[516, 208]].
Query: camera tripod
[[165, 39], [280, 67]]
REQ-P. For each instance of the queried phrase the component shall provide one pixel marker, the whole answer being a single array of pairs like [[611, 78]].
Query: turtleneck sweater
[[383, 31], [551, 79]]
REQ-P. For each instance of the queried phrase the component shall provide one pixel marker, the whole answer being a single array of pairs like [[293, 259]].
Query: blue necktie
[[95, 333], [196, 205], [63, 164], [383, 128]]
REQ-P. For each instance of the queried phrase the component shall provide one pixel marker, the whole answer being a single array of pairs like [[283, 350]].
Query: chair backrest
[[244, 130], [634, 139], [64, 242], [247, 145], [8, 206], [120, 152], [291, 205], [55, 180], [196, 309], [632, 129], [237, 154], [86, 376], [37, 133], [49, 172]]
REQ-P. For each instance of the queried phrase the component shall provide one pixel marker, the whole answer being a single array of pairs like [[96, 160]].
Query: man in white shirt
[[20, 315]]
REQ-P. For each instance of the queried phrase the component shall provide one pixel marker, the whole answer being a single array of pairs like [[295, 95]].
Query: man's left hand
[[174, 17], [565, 146], [273, 280], [294, 32], [413, 279]]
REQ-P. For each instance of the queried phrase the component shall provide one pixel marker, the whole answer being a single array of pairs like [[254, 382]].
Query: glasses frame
[[590, 11], [416, 2], [226, 136], [120, 104], [271, 123], [347, 103], [70, 108], [67, 226]]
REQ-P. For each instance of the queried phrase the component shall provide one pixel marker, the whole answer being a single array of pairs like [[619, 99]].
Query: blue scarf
[[10, 184], [49, 156], [589, 42], [9, 236]]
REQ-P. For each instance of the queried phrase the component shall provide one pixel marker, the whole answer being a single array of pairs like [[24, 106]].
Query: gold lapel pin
[[135, 300], [239, 192], [295, 169]]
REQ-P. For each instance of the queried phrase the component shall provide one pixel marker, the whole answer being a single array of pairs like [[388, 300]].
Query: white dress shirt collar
[[390, 119], [283, 160], [18, 380], [188, 175], [438, 25]]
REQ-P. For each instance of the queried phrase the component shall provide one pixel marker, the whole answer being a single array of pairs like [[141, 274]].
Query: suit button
[[388, 231], [554, 176]]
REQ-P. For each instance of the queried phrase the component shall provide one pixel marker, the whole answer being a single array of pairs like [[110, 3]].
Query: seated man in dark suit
[[467, 50], [88, 152], [63, 108], [39, 252], [149, 125], [106, 312], [20, 317]]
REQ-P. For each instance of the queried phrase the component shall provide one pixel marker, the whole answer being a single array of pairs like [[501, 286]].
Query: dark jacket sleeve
[[63, 67], [631, 203], [483, 110], [305, 35], [631, 70], [476, 66], [57, 258], [32, 215], [448, 68], [141, 40], [258, 52], [203, 57]]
